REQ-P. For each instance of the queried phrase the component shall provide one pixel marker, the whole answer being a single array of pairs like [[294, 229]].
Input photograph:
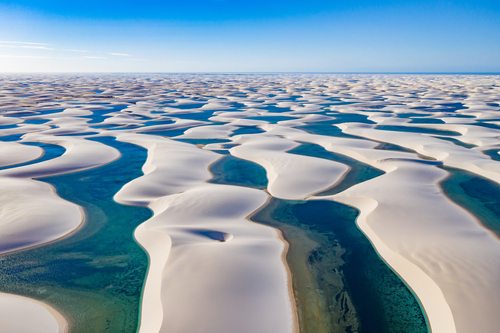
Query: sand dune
[[200, 230], [210, 268], [12, 153], [290, 176], [15, 310]]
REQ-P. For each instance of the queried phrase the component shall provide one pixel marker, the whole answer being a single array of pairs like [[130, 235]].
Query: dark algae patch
[[315, 261], [340, 283], [476, 194], [95, 276]]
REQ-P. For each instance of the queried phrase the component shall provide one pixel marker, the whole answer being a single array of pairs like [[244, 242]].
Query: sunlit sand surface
[[250, 203]]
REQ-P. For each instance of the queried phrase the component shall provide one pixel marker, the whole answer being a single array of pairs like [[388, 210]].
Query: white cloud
[[11, 42], [23, 57], [27, 47], [137, 59], [92, 57], [121, 54], [75, 50]]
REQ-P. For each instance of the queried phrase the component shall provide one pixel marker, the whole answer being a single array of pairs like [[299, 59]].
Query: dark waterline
[[493, 154]]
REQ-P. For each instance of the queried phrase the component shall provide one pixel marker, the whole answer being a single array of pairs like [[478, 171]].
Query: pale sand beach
[[15, 310]]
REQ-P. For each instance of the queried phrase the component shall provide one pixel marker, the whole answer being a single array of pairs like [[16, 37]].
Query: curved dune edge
[[291, 294], [440, 294], [12, 153], [438, 250], [296, 325], [15, 310], [438, 312], [201, 230], [437, 97], [80, 155], [25, 200], [290, 176]]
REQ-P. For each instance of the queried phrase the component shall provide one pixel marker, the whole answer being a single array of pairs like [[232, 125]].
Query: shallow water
[[228, 170], [493, 154], [247, 130], [95, 276], [345, 270], [50, 152], [359, 172], [340, 283], [328, 129], [426, 121], [457, 142], [478, 195]]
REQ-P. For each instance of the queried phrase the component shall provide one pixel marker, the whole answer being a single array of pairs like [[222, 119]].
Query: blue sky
[[249, 36]]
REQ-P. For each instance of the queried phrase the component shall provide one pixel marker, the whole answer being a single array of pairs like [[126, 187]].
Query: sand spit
[[32, 213], [290, 176], [12, 153], [210, 268], [80, 155]]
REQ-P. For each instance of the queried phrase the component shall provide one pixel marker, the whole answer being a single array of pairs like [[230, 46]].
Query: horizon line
[[282, 72]]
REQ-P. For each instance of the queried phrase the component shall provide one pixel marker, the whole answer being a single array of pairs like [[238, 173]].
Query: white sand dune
[[211, 270], [200, 230], [446, 257], [32, 214], [290, 176], [165, 169], [15, 311], [12, 153], [80, 155]]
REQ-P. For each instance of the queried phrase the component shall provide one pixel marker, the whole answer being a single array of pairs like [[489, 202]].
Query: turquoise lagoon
[[95, 276], [349, 284]]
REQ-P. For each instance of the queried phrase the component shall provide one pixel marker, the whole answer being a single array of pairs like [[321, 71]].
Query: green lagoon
[[95, 276]]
